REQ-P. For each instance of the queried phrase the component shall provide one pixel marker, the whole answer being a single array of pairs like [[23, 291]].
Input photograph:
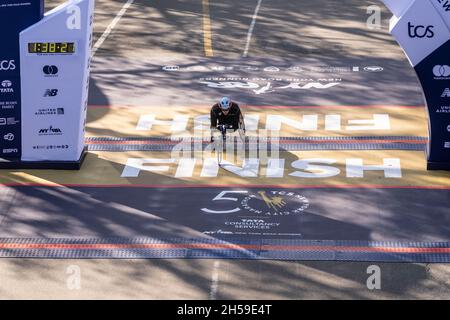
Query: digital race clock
[[51, 47]]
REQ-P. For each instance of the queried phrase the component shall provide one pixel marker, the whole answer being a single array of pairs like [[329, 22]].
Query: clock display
[[51, 47]]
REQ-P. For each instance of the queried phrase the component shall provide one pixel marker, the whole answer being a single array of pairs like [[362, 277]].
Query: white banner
[[418, 26], [55, 58]]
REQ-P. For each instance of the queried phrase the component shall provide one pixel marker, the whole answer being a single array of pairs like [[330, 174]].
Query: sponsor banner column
[[15, 15], [422, 28], [55, 54]]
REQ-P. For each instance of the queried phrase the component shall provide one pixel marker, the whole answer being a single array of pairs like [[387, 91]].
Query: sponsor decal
[[271, 69], [419, 31], [252, 224], [295, 69], [446, 93], [8, 137], [49, 112], [8, 121], [329, 69], [50, 70], [50, 131], [51, 147], [171, 68], [7, 105], [443, 109], [270, 84], [5, 87], [248, 68], [441, 72], [197, 68], [373, 69], [275, 203], [13, 150], [222, 68], [51, 93], [7, 65]]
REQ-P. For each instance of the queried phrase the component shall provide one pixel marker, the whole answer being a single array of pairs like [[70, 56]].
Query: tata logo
[[419, 31], [441, 71], [6, 87], [50, 70], [7, 65]]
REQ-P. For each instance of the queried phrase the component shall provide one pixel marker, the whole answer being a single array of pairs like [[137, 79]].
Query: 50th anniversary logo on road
[[262, 203], [275, 203]]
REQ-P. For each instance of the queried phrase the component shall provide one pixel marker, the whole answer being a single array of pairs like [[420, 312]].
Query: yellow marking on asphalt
[[207, 34], [106, 168]]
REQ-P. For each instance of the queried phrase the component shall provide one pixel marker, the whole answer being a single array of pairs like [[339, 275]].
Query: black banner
[[434, 75], [15, 16]]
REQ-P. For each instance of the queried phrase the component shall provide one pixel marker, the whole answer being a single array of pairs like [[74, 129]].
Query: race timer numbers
[[52, 47]]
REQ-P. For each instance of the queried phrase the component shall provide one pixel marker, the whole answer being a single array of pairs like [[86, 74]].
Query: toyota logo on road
[[373, 69], [50, 70], [441, 71]]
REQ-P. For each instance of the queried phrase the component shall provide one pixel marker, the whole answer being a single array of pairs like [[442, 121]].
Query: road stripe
[[111, 26], [207, 34], [214, 281], [250, 30], [227, 186], [226, 246]]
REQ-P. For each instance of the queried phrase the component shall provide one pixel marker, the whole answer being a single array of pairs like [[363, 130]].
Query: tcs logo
[[420, 31], [6, 65]]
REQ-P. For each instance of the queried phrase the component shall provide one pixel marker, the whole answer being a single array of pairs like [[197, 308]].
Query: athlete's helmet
[[225, 103]]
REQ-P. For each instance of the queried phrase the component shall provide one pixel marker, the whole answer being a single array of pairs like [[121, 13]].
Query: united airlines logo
[[446, 93]]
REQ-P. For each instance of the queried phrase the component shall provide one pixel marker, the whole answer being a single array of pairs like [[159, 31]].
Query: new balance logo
[[446, 93], [51, 93]]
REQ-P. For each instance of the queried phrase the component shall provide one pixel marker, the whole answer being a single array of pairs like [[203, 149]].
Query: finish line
[[149, 248]]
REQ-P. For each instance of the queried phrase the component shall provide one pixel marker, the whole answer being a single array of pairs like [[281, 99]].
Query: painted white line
[[250, 30], [214, 281], [111, 26]]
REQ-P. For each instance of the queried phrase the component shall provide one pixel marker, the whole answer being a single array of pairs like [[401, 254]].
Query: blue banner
[[15, 16], [434, 75]]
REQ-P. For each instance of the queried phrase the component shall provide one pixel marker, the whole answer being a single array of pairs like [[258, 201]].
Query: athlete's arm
[[213, 118]]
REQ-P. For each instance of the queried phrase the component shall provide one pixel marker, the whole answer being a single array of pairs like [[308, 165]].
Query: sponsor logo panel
[[7, 65]]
